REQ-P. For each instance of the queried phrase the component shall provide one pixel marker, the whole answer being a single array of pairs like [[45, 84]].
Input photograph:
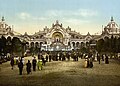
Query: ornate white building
[[5, 29], [111, 28], [59, 38]]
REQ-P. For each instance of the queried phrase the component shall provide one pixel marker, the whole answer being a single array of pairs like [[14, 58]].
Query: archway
[[57, 37], [57, 43], [32, 44], [77, 44], [73, 43]]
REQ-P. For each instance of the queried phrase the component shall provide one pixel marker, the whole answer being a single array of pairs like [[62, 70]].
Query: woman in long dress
[[86, 63]]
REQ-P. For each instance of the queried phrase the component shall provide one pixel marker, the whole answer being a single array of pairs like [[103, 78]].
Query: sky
[[83, 16]]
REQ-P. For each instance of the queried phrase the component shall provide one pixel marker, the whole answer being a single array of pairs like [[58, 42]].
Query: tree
[[8, 45], [16, 46], [118, 45], [84, 50], [2, 45], [100, 45], [106, 45], [115, 45]]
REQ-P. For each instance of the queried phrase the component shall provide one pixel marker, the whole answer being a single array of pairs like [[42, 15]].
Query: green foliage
[[8, 45], [108, 45], [84, 50], [2, 44], [16, 45], [99, 45]]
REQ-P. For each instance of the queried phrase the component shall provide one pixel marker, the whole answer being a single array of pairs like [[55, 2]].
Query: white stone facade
[[59, 38], [4, 28]]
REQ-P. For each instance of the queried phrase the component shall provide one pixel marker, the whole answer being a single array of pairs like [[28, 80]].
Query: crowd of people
[[29, 65], [44, 57]]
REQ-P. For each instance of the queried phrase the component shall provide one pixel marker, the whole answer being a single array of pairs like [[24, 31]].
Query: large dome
[[112, 26]]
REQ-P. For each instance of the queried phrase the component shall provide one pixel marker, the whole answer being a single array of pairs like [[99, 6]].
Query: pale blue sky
[[81, 15]]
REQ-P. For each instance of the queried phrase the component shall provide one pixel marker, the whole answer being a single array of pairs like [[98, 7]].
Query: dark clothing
[[20, 66], [68, 56], [102, 58], [106, 60], [28, 68], [91, 64], [49, 58], [43, 61], [99, 59], [46, 58], [88, 63], [63, 57], [34, 61], [38, 56], [60, 56], [12, 62], [75, 57]]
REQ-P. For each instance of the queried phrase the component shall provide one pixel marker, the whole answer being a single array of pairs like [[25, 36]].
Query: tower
[[3, 18], [112, 19], [57, 22]]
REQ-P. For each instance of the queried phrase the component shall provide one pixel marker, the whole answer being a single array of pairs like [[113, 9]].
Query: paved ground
[[63, 74]]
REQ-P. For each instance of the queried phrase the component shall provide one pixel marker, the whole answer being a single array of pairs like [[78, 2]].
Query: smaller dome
[[112, 26]]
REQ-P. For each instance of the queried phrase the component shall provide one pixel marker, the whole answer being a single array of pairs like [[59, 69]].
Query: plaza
[[63, 73]]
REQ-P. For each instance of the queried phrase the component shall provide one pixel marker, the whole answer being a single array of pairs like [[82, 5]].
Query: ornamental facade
[[57, 37], [5, 29]]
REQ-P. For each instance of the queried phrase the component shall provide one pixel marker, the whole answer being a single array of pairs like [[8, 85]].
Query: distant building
[[112, 28], [59, 38], [5, 29]]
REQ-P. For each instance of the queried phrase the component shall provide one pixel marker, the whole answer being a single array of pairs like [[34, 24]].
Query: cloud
[[74, 13], [74, 21], [60, 14], [39, 18], [86, 13], [81, 18], [24, 15], [76, 17]]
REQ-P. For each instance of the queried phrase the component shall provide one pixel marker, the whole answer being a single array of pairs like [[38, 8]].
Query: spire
[[57, 22], [102, 28], [25, 33], [112, 18], [3, 18], [61, 24], [88, 34], [53, 25]]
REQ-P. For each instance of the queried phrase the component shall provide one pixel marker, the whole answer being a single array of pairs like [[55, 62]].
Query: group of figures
[[103, 58], [29, 65], [89, 59], [57, 56], [88, 63]]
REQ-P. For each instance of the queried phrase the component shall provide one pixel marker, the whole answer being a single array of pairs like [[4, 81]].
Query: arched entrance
[[57, 43], [57, 37]]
